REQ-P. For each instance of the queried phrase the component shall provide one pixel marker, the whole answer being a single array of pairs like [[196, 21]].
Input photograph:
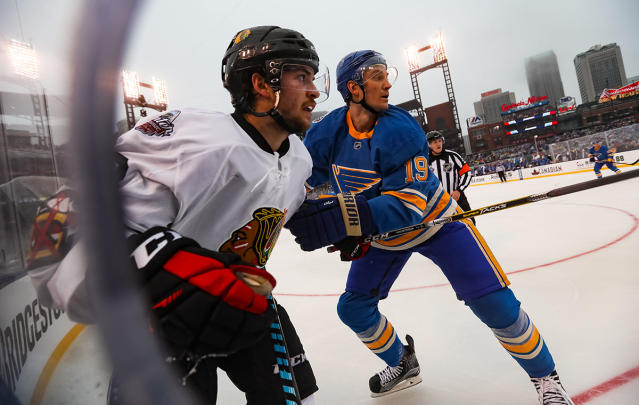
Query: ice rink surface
[[573, 263]]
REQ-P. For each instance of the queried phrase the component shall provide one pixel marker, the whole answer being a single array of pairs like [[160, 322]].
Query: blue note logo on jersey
[[354, 180]]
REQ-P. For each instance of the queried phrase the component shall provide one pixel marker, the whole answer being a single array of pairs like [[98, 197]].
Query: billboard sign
[[532, 101], [474, 121], [490, 93], [621, 92], [566, 105]]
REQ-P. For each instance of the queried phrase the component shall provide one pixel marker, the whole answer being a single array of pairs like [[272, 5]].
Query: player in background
[[379, 153], [501, 172], [450, 168], [205, 196], [601, 155]]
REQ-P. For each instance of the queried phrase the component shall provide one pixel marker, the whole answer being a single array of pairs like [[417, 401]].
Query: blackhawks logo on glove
[[254, 241]]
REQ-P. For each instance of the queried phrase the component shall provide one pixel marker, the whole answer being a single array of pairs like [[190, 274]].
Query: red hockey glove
[[204, 301]]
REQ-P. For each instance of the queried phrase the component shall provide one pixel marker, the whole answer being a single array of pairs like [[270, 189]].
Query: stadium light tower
[[439, 59], [133, 97], [24, 60]]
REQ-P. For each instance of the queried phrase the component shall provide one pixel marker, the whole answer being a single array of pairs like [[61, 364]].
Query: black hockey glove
[[203, 301], [352, 248]]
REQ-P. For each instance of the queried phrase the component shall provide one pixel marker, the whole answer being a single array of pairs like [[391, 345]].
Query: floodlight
[[437, 44], [131, 85], [24, 60], [412, 55], [159, 92]]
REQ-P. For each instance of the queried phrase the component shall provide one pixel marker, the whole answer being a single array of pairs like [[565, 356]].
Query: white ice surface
[[584, 304]]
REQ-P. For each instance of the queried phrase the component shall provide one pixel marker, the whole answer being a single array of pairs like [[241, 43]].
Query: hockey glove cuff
[[326, 221], [204, 301]]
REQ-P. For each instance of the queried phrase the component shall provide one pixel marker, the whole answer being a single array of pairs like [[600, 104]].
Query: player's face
[[377, 87], [436, 145], [298, 96]]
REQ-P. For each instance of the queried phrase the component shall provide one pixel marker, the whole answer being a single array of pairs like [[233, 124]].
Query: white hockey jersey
[[210, 176]]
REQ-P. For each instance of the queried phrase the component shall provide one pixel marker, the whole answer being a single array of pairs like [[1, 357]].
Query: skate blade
[[407, 383]]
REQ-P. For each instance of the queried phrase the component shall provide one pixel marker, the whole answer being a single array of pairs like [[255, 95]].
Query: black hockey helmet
[[432, 135], [264, 50]]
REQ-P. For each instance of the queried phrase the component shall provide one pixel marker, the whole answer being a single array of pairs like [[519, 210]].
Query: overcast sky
[[486, 42]]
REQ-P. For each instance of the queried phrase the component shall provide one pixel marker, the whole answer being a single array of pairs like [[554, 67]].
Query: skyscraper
[[489, 106], [542, 74], [600, 67]]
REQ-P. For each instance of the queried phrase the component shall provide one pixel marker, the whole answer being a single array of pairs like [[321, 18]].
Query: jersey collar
[[355, 133], [257, 137]]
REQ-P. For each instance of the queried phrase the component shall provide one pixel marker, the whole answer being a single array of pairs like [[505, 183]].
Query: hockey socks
[[360, 313], [515, 331]]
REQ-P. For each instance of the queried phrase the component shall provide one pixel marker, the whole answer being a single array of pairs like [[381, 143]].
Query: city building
[[489, 107], [599, 68], [542, 74]]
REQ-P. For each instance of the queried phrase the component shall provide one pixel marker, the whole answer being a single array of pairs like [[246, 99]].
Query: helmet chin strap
[[363, 102], [273, 113]]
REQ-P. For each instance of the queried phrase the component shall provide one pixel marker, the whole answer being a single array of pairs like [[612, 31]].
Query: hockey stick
[[556, 192], [289, 384], [629, 164]]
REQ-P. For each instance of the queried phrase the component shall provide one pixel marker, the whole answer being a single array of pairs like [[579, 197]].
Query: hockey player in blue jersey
[[378, 152], [601, 155]]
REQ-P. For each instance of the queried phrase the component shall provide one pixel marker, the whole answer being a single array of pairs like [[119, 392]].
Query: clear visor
[[379, 72], [302, 78]]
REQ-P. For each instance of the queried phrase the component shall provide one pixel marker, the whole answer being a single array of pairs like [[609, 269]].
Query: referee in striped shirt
[[450, 169]]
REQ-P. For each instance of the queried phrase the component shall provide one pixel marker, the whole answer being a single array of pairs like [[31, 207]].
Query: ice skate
[[550, 391], [397, 378]]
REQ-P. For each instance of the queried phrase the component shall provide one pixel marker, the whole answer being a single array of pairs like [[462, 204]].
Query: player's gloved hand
[[592, 158], [352, 248], [322, 222], [203, 301]]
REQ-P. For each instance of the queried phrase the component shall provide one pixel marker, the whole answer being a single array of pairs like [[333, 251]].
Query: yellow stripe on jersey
[[413, 199], [436, 207], [440, 207]]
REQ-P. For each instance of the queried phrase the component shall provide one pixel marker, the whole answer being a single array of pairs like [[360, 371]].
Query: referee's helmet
[[432, 135]]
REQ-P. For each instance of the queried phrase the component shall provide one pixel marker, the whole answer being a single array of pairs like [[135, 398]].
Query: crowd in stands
[[621, 134]]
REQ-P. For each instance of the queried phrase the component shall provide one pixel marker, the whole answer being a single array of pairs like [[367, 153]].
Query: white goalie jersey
[[211, 177], [204, 175]]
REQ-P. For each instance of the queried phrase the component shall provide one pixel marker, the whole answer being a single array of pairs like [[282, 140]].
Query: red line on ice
[[606, 386], [635, 225], [593, 392]]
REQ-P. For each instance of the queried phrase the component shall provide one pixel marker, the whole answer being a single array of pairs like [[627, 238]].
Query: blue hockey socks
[[515, 331], [360, 313]]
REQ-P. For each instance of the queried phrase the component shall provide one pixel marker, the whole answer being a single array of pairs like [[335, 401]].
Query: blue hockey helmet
[[351, 68]]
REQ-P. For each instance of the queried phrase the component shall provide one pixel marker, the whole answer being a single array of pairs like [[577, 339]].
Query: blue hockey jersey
[[388, 165], [601, 155]]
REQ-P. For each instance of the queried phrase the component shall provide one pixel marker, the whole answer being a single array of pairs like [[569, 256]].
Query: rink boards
[[570, 167], [43, 355]]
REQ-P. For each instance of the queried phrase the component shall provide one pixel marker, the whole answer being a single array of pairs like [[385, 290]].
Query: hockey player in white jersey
[[205, 196]]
